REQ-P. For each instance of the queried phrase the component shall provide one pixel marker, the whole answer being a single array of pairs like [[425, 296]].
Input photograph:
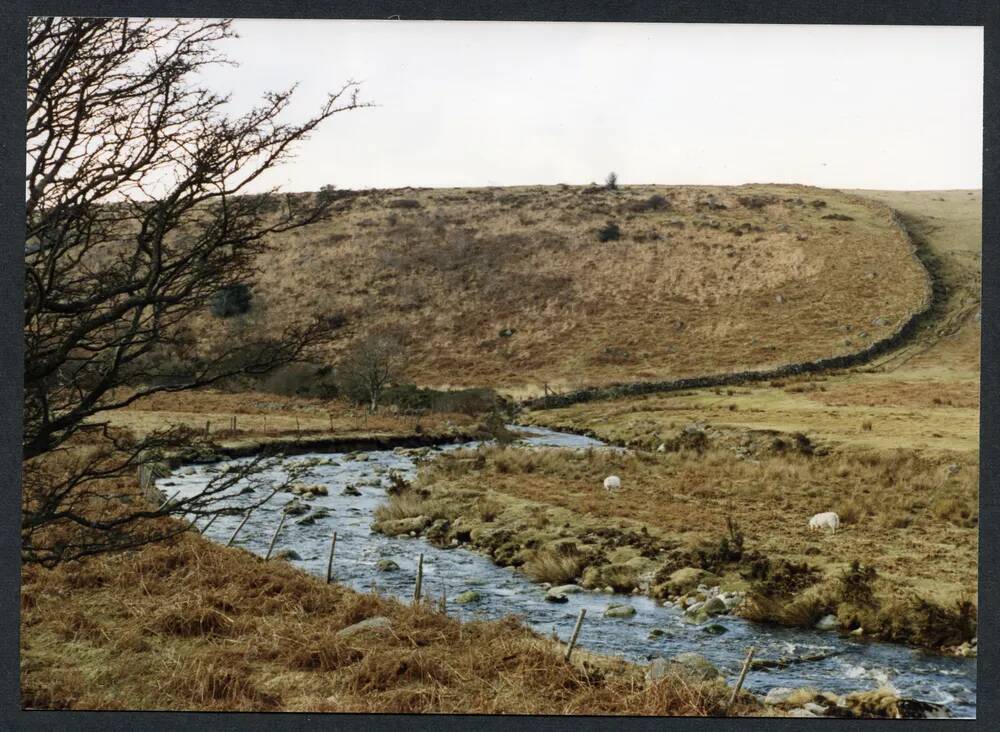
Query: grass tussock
[[555, 567]]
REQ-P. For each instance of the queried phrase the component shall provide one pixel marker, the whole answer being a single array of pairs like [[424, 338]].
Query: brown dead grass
[[195, 626]]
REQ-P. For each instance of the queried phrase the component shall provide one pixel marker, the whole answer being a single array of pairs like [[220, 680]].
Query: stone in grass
[[690, 664], [619, 611], [694, 664], [386, 565], [377, 624], [467, 597]]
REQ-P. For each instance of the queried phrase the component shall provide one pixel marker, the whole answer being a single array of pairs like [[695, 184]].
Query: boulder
[[658, 668], [827, 622], [295, 507], [558, 597], [350, 490], [619, 611], [688, 578], [778, 695], [396, 527], [287, 554], [657, 633], [715, 606], [715, 629], [377, 624], [567, 589], [467, 597], [696, 665], [386, 565]]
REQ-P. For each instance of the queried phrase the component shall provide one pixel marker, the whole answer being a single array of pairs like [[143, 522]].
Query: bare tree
[[371, 365], [137, 214]]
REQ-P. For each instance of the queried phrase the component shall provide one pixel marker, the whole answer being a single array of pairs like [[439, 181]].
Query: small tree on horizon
[[611, 182]]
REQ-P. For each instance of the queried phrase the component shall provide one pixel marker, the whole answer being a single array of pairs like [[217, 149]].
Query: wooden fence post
[[739, 682], [239, 528], [167, 502], [420, 579], [208, 426], [210, 522], [274, 538], [576, 632], [329, 562]]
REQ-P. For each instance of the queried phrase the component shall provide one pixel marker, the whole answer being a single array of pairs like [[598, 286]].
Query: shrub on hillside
[[611, 232], [232, 300], [403, 203], [656, 202], [611, 182], [411, 398]]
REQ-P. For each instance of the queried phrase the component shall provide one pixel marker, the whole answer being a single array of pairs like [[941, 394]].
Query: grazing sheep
[[827, 520], [612, 483]]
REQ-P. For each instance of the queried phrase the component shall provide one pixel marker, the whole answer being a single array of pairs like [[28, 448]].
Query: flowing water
[[855, 664]]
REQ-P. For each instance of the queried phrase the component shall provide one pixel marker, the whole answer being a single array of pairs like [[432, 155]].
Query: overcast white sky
[[474, 104]]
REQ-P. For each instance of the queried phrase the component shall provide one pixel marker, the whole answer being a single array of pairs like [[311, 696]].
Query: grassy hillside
[[701, 280]]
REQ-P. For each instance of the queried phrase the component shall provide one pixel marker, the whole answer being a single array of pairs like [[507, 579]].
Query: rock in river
[[467, 597], [567, 589], [553, 596], [828, 622], [619, 611], [386, 565], [289, 554], [714, 606], [295, 507]]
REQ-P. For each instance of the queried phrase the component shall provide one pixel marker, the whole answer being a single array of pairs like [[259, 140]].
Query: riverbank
[[706, 516], [191, 625]]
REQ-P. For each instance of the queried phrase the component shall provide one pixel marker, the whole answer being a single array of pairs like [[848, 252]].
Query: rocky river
[[476, 588]]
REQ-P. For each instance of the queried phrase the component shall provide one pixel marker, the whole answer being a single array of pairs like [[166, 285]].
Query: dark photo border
[[13, 15]]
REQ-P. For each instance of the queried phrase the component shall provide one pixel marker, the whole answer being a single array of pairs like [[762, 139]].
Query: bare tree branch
[[136, 215]]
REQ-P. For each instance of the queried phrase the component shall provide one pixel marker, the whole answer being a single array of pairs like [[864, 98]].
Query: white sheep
[[612, 483], [827, 520]]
